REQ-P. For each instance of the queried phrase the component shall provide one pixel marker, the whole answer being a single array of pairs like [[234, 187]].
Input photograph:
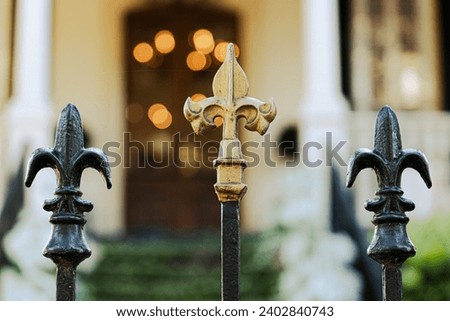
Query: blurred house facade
[[129, 66]]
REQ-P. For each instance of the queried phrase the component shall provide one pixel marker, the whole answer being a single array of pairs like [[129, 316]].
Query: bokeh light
[[203, 41], [220, 51], [160, 116], [164, 41], [143, 52], [196, 61]]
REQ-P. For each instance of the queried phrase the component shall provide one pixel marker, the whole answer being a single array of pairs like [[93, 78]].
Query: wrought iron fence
[[68, 158]]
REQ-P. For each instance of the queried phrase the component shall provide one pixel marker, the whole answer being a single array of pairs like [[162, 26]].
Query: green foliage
[[178, 269], [427, 275]]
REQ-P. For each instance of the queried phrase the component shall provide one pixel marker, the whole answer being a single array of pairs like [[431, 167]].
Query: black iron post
[[390, 245], [230, 102], [67, 246], [230, 251]]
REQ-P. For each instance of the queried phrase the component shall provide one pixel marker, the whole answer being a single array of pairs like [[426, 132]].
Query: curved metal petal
[[364, 158], [95, 158], [258, 114], [41, 158], [415, 159], [200, 115]]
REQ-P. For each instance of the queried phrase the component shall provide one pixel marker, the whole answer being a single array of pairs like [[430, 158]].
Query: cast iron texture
[[390, 245], [67, 246], [230, 251]]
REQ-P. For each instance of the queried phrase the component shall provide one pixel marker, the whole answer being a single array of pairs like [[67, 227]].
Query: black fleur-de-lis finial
[[68, 158], [391, 245]]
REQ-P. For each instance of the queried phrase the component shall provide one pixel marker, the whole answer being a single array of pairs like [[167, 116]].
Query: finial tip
[[387, 133], [230, 51]]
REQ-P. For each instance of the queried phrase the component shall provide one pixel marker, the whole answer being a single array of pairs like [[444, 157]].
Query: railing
[[67, 246]]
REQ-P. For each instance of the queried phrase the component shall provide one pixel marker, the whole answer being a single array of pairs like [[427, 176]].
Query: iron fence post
[[67, 246], [390, 245], [230, 102]]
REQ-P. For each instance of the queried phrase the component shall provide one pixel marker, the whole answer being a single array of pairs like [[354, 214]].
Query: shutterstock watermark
[[191, 152]]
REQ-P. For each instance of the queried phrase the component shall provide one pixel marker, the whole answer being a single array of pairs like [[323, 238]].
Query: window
[[394, 54]]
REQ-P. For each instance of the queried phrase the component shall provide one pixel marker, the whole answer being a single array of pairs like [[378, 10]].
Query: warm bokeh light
[[203, 41], [218, 121], [160, 116], [153, 108], [162, 119], [221, 50], [198, 97], [196, 61], [143, 52], [164, 41]]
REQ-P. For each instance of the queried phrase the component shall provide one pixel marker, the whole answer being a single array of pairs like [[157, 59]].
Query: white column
[[315, 260], [32, 52], [28, 122], [322, 101], [323, 108], [321, 47], [29, 113]]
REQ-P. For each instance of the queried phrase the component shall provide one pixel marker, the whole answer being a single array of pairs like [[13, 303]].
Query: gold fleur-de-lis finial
[[230, 102]]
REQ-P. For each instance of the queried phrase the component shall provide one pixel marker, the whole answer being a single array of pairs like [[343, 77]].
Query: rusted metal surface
[[67, 246], [230, 102], [390, 245]]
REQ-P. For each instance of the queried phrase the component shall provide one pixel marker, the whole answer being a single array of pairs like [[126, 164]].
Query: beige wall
[[5, 64], [5, 49]]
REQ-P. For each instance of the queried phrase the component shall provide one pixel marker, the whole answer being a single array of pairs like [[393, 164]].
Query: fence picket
[[390, 245], [230, 102], [67, 246]]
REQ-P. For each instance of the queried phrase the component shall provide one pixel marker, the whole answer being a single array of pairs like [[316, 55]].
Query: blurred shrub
[[178, 269], [427, 275]]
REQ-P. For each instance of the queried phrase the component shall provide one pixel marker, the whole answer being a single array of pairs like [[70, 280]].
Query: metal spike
[[69, 133], [388, 141]]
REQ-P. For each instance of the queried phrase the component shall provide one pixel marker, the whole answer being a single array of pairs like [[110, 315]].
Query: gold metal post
[[230, 102]]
